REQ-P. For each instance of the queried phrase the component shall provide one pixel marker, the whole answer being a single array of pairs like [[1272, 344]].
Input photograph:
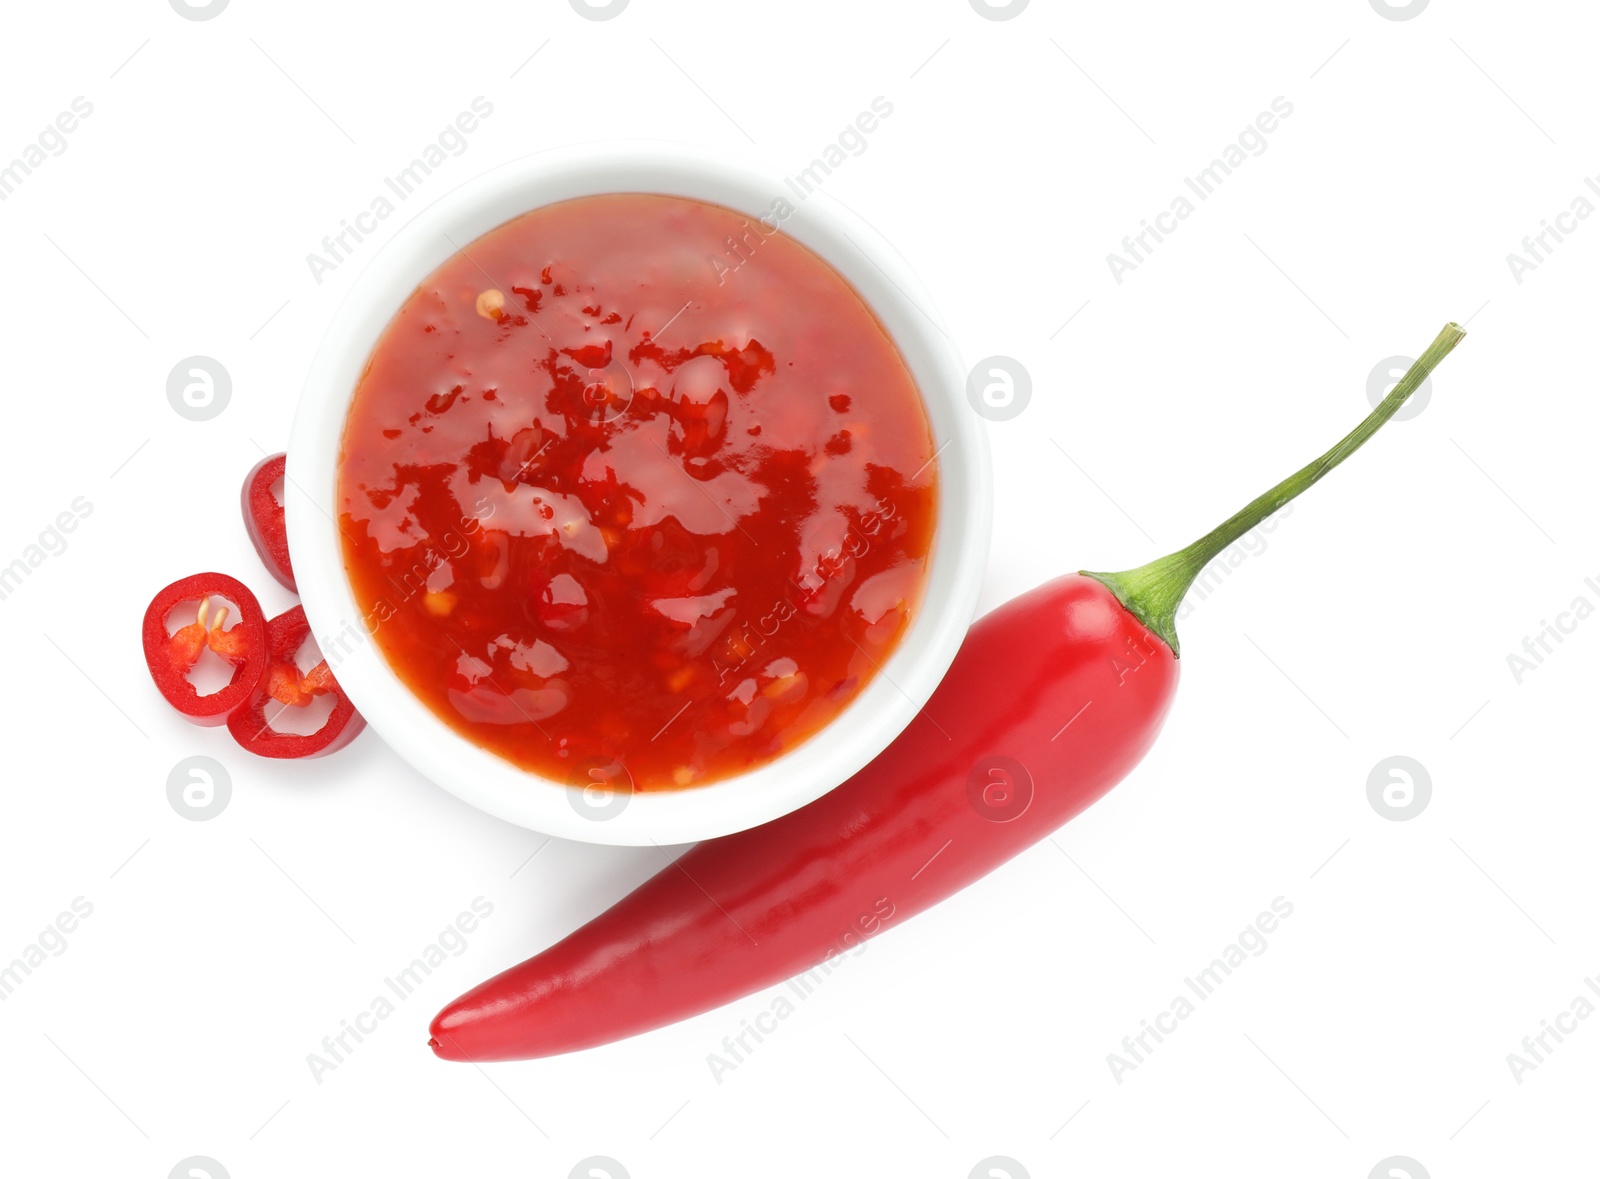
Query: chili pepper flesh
[[172, 657], [252, 724], [264, 518]]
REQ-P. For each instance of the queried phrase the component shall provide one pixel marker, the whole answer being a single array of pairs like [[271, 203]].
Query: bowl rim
[[888, 703]]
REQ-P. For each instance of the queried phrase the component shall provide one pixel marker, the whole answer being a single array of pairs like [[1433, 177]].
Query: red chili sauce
[[634, 487]]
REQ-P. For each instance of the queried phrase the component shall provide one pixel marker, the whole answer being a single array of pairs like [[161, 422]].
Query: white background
[[1019, 153]]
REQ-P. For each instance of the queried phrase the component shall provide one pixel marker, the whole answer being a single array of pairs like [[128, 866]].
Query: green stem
[[1153, 592]]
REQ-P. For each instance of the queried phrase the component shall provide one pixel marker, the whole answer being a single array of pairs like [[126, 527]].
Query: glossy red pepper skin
[[1051, 700], [244, 644], [251, 723], [264, 519]]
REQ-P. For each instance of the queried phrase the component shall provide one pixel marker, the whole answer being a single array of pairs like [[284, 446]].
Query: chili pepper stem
[[1153, 592]]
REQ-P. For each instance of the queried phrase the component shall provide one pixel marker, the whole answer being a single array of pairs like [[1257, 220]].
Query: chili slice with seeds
[[264, 520], [284, 687], [171, 657]]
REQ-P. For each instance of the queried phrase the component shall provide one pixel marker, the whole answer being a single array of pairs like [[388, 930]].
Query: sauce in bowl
[[636, 492]]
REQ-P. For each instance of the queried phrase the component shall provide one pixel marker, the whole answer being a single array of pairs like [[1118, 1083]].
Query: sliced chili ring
[[171, 657], [282, 687], [263, 517]]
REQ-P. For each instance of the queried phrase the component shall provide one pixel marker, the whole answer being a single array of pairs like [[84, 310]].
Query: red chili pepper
[[284, 687], [171, 657], [1051, 700], [263, 517]]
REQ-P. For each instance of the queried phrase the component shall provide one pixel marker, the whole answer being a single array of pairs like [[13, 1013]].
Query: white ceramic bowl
[[861, 731]]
